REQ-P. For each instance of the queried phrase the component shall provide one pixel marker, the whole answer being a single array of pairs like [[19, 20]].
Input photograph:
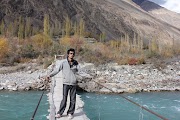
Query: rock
[[107, 73], [3, 84], [122, 86], [120, 91], [29, 67], [101, 80], [30, 71], [104, 90], [114, 90], [140, 77], [142, 85], [1, 88], [20, 88], [98, 72], [114, 73], [12, 83], [29, 82], [87, 66], [11, 88], [146, 90], [178, 73], [27, 88], [14, 88], [131, 90], [42, 88], [82, 85], [34, 85]]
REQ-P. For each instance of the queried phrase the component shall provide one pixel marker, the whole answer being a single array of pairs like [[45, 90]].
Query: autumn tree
[[4, 48], [81, 27], [21, 28], [46, 25], [28, 28], [67, 27], [2, 28]]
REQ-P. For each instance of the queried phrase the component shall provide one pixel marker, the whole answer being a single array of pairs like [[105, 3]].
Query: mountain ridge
[[159, 12]]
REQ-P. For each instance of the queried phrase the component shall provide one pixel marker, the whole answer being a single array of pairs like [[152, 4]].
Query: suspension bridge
[[55, 96]]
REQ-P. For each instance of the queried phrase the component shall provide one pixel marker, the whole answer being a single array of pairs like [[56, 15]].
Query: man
[[69, 68]]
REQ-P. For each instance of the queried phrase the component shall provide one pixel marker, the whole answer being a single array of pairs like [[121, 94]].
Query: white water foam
[[162, 107], [177, 108], [177, 100], [87, 97]]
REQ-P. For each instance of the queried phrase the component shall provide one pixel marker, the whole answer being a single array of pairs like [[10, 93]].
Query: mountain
[[115, 18], [147, 5], [159, 12]]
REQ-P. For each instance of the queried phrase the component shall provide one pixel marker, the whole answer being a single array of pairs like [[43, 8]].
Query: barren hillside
[[114, 17], [159, 12]]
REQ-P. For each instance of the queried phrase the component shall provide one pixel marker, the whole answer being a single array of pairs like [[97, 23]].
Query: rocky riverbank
[[23, 77], [131, 79], [118, 78]]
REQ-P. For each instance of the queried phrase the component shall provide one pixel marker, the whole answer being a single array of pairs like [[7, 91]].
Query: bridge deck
[[55, 97]]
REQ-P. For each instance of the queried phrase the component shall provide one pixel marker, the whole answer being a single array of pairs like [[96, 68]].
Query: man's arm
[[57, 68]]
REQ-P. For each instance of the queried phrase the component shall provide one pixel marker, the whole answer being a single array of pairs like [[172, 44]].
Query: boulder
[[1, 87], [139, 77], [178, 73], [104, 90]]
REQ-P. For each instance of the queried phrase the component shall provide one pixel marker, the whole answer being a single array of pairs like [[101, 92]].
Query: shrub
[[27, 51], [91, 56], [74, 42], [132, 61], [42, 43]]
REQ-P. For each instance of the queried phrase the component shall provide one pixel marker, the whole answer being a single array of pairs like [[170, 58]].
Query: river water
[[114, 107], [21, 105]]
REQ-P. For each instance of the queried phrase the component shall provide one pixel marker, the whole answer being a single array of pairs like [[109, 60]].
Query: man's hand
[[46, 78]]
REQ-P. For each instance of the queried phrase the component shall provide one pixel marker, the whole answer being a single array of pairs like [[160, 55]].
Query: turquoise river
[[21, 105]]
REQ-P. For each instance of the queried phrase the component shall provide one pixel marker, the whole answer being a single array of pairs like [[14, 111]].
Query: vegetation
[[4, 48], [21, 41]]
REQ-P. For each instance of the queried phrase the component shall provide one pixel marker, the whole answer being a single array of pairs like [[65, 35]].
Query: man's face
[[71, 54]]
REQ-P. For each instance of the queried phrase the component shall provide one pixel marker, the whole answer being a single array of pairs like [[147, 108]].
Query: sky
[[173, 5]]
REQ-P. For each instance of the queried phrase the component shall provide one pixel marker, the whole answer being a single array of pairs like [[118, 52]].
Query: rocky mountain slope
[[159, 12], [114, 17]]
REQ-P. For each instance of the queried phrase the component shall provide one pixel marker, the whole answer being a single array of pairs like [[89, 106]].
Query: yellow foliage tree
[[4, 47], [46, 24]]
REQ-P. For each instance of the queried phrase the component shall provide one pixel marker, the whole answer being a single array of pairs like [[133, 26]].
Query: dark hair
[[71, 49]]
